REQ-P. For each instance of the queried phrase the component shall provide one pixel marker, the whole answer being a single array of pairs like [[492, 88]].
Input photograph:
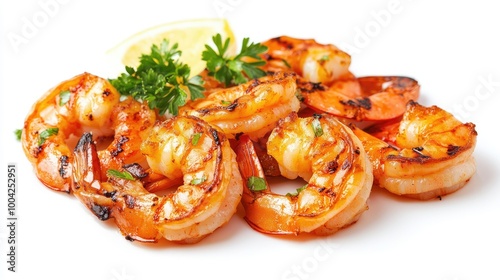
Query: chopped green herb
[[120, 174], [18, 133], [234, 70], [286, 64], [255, 183], [44, 135], [198, 181], [225, 103], [64, 97], [316, 125], [324, 58], [195, 139], [297, 191], [160, 79]]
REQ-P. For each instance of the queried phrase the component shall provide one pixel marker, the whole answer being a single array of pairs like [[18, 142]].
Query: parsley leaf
[[297, 191], [255, 183], [198, 181], [316, 126], [18, 133], [160, 79], [195, 139], [44, 135], [234, 70], [64, 97], [120, 174]]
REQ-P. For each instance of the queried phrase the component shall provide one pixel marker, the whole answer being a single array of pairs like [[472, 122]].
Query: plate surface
[[451, 50]]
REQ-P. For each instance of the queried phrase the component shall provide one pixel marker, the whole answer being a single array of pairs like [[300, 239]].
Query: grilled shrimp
[[328, 156], [374, 98], [185, 147], [427, 154], [326, 84], [131, 122], [315, 62], [85, 103], [252, 108]]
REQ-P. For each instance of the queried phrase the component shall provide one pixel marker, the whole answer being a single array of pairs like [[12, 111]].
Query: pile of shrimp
[[183, 177]]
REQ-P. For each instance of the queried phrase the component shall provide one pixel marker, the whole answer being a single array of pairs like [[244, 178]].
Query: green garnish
[[195, 139], [198, 181], [160, 79], [18, 133], [324, 58], [120, 174], [297, 191], [255, 183], [225, 103], [316, 126], [234, 70], [64, 97], [44, 135], [286, 63]]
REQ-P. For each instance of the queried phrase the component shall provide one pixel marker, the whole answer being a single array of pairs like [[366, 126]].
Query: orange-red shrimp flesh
[[84, 103], [334, 164], [327, 85], [374, 98], [252, 108], [428, 154], [184, 147], [315, 62]]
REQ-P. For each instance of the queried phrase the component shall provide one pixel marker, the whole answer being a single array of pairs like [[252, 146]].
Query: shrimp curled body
[[334, 164], [315, 62], [371, 98], [84, 103], [327, 85], [425, 155], [252, 108], [185, 147]]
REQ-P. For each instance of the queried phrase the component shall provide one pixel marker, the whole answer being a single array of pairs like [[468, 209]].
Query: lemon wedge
[[191, 35]]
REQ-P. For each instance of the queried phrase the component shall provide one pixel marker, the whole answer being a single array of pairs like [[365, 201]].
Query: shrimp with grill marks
[[252, 108], [326, 154], [84, 103], [180, 147], [326, 84], [426, 154]]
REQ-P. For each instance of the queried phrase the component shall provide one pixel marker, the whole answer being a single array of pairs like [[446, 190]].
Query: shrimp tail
[[248, 161], [86, 161], [270, 221], [87, 178], [108, 200]]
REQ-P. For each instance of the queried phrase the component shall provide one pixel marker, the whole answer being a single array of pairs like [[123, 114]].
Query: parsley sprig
[[234, 70], [120, 174], [18, 133], [160, 79], [255, 183]]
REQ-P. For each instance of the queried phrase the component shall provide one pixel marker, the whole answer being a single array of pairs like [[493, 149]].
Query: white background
[[450, 48]]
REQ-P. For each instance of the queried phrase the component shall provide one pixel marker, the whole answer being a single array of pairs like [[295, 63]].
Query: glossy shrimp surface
[[315, 62], [374, 98], [82, 103], [252, 108], [184, 147], [326, 84], [425, 155], [328, 156], [131, 122], [85, 103]]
